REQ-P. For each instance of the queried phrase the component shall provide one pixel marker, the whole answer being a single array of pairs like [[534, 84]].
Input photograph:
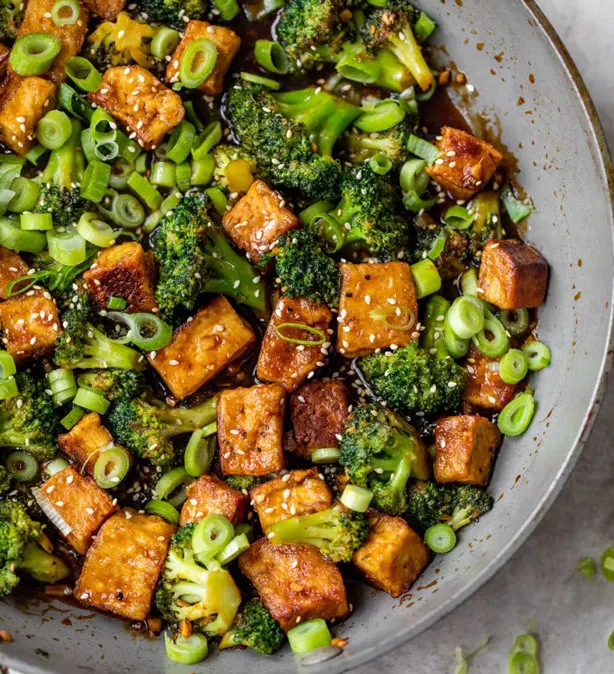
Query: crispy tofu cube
[[393, 555], [286, 363], [465, 449], [29, 324], [250, 425], [318, 411], [11, 267], [82, 504], [125, 271], [466, 163], [38, 19], [513, 275], [211, 496], [227, 43], [483, 386], [294, 582], [302, 493], [23, 101], [258, 219], [202, 347], [107, 9], [84, 440], [367, 288], [122, 567], [140, 102]]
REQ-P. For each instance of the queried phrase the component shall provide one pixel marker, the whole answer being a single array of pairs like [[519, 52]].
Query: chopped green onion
[[433, 341], [587, 567], [70, 100], [413, 177], [6, 196], [525, 643], [72, 417], [308, 636], [163, 174], [144, 190], [186, 650], [423, 149], [14, 238], [516, 416], [153, 219], [95, 181], [140, 165], [202, 170], [356, 65], [325, 455], [538, 355], [356, 498], [63, 386], [192, 116], [54, 129], [493, 340], [83, 73], [55, 466], [426, 278], [36, 222], [22, 466], [611, 642], [258, 79], [91, 400], [405, 318], [258, 10], [424, 96], [271, 56], [456, 346], [147, 331], [183, 174], [95, 231], [117, 303], [469, 283], [381, 117], [516, 209], [65, 12], [238, 545], [380, 164], [127, 211], [7, 365], [197, 62], [129, 149], [35, 154], [88, 146], [8, 388], [106, 151], [218, 199], [103, 126], [181, 141], [199, 453], [466, 317], [171, 481], [515, 321], [164, 510], [329, 229], [523, 663], [207, 140], [66, 247], [438, 245], [25, 197], [321, 336], [111, 467], [459, 217], [34, 53], [513, 367], [311, 213], [424, 27], [164, 42], [440, 538], [211, 535], [227, 9], [607, 564]]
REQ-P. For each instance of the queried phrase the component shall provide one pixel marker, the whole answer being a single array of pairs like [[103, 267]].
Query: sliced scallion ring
[[211, 535], [14, 238], [538, 355], [515, 321], [72, 418], [181, 141], [95, 180], [308, 636], [164, 510], [91, 400], [466, 317], [325, 455], [25, 197], [22, 466], [197, 62], [127, 211], [54, 129], [83, 73], [36, 222], [238, 545], [513, 367], [34, 53], [186, 650], [65, 13], [111, 467], [8, 388], [258, 79], [382, 117], [55, 466], [493, 340], [356, 498], [66, 247], [321, 336], [459, 217], [380, 164], [170, 482], [207, 140], [271, 56], [147, 331], [96, 231], [164, 42], [426, 278], [7, 365], [199, 453], [423, 149], [517, 415], [440, 538], [395, 318]]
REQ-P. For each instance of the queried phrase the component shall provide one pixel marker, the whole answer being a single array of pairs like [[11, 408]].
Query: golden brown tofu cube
[[483, 386], [227, 43], [318, 412], [393, 555], [140, 102], [107, 9], [29, 324], [249, 430], [23, 101], [290, 364], [466, 163], [11, 267], [81, 503], [125, 271], [299, 492], [367, 289], [202, 347], [465, 449], [211, 496], [122, 567], [294, 582], [513, 275], [84, 440], [258, 219], [38, 19]]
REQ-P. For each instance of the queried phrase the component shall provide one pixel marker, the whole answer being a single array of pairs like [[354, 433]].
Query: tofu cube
[[211, 496], [202, 347], [318, 412], [107, 9], [125, 271], [294, 582], [11, 267], [302, 493], [122, 567], [368, 288], [258, 219], [513, 275], [30, 325], [466, 164], [484, 387], [227, 43], [23, 101], [81, 503], [140, 102], [84, 440], [465, 449], [393, 555], [250, 425], [283, 362]]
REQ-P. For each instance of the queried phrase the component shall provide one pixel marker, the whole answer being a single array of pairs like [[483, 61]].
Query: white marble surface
[[573, 617]]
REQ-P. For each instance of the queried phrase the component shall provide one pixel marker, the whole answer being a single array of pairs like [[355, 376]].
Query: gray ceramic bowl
[[565, 166]]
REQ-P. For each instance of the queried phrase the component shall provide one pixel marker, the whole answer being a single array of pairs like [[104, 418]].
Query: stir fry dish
[[263, 325]]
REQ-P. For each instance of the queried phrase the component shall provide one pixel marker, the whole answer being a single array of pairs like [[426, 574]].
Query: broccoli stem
[[460, 518], [180, 420], [407, 50], [42, 565], [101, 352], [315, 530]]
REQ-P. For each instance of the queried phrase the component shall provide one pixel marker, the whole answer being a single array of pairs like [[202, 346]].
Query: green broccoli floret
[[195, 257], [83, 346], [20, 552], [6, 480], [381, 452], [114, 383], [412, 380], [241, 482], [187, 591], [284, 150], [223, 154], [255, 628], [28, 421], [146, 426], [11, 16], [173, 13], [455, 256], [456, 505], [337, 532], [306, 271], [361, 145]]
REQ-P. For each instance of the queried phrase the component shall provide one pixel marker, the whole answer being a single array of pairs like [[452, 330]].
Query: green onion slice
[[413, 177], [308, 636], [227, 9], [381, 117], [147, 331], [54, 129], [91, 400], [55, 466], [65, 12], [70, 100], [207, 140], [238, 545], [8, 388], [404, 318], [271, 56], [34, 53], [183, 175], [164, 510], [459, 217], [607, 564], [356, 498], [380, 164], [513, 367], [170, 482], [438, 245], [211, 535], [426, 278], [308, 215], [199, 452], [525, 643], [466, 317], [14, 238], [7, 365], [117, 303], [186, 650], [538, 355], [22, 466], [164, 42], [83, 73], [493, 340], [180, 142], [325, 455], [440, 538], [144, 190], [36, 222], [96, 231], [586, 566], [321, 336], [327, 228], [515, 321], [66, 247], [95, 181], [218, 199], [103, 126], [197, 62], [127, 211], [423, 149], [72, 417], [523, 663], [516, 416], [424, 27], [35, 154], [356, 65], [516, 209], [456, 346], [163, 174], [258, 79], [111, 467], [469, 283], [25, 197]]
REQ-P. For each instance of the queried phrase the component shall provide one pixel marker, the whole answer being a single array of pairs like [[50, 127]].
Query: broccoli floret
[[255, 628], [11, 16], [456, 505], [28, 421], [381, 452], [242, 482], [306, 271], [146, 426], [83, 346], [455, 256], [223, 154], [283, 149], [413, 380], [172, 12], [5, 480], [187, 591], [114, 383], [337, 532], [195, 257], [361, 145], [20, 552]]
